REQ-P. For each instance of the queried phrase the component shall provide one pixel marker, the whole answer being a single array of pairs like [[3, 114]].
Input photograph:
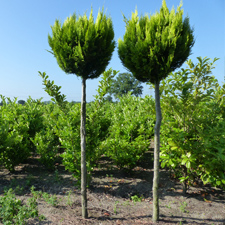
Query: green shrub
[[14, 138], [34, 110], [46, 141], [13, 211], [68, 131], [130, 131], [193, 125]]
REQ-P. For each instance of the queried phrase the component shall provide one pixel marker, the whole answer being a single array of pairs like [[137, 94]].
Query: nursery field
[[93, 162], [40, 154], [114, 196]]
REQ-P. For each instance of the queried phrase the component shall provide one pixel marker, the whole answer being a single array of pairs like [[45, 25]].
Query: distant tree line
[[121, 86], [22, 102]]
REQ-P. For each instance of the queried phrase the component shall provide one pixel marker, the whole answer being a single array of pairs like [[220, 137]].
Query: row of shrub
[[192, 131], [120, 130], [19, 125]]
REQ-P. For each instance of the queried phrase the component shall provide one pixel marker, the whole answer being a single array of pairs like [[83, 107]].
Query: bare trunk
[[155, 215], [83, 152], [184, 182]]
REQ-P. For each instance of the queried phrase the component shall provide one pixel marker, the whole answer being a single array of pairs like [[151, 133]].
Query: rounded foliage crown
[[153, 46], [82, 46]]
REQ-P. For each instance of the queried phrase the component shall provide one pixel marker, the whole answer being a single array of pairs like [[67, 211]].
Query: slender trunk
[[185, 183], [156, 154], [184, 168], [83, 152]]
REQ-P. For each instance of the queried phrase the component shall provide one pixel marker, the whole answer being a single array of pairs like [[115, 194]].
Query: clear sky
[[25, 26]]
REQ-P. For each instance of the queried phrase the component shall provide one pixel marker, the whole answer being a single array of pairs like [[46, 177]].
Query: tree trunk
[[83, 152], [184, 182], [156, 154]]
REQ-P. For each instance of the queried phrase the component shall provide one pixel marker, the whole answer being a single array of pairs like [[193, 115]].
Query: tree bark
[[155, 215], [83, 152]]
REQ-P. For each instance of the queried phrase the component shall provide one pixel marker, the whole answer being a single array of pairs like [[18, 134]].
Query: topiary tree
[[83, 47], [152, 47]]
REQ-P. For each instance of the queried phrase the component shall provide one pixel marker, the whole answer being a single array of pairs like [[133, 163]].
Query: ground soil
[[115, 196]]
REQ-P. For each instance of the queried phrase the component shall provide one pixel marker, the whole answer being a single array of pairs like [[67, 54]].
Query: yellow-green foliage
[[155, 45], [79, 43]]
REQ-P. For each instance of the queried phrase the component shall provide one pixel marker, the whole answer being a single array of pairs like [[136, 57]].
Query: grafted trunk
[[83, 152], [155, 215]]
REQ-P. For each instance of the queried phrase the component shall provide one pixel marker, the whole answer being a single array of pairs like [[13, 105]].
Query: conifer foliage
[[83, 47], [152, 47]]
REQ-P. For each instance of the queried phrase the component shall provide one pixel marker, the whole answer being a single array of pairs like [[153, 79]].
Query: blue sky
[[25, 26]]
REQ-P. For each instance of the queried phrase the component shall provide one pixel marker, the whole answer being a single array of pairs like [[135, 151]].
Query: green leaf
[[183, 162], [188, 164], [188, 154], [163, 164], [182, 179]]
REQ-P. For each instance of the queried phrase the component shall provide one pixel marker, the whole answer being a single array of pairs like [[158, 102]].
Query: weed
[[41, 217], [111, 175], [169, 205], [57, 177], [183, 207], [69, 202], [14, 183], [126, 203], [32, 205], [61, 220], [19, 190], [182, 221], [115, 207], [29, 180], [13, 211], [36, 194], [51, 199], [135, 198]]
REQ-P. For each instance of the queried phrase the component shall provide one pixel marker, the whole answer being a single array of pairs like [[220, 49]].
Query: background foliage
[[192, 134], [124, 83], [193, 128]]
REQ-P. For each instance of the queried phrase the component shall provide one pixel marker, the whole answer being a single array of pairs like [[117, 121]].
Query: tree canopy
[[155, 45], [79, 43], [124, 83]]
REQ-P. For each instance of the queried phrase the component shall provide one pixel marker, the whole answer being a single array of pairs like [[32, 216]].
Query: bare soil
[[115, 196]]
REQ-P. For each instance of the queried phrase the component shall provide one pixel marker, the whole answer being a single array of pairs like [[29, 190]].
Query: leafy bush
[[68, 131], [14, 138], [13, 211], [130, 131], [53, 90], [46, 146], [34, 110], [97, 124], [46, 140], [193, 125]]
